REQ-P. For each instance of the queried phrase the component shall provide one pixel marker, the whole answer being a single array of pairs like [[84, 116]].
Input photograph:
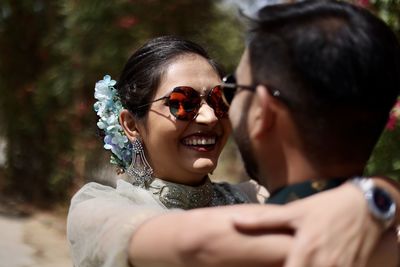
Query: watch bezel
[[369, 190], [387, 215]]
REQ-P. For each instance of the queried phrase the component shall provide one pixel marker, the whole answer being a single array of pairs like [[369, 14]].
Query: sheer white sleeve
[[102, 219], [254, 191]]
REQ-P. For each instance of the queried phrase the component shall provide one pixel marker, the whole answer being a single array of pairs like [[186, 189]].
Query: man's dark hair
[[338, 69]]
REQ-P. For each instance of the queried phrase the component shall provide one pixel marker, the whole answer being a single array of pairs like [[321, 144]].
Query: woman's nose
[[206, 115]]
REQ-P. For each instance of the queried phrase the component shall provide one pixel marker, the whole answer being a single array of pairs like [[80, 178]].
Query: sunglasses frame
[[202, 97], [232, 85]]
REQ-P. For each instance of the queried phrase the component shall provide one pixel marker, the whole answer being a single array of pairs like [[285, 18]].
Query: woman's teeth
[[199, 141]]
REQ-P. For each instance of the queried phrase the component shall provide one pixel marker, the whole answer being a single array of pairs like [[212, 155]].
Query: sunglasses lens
[[229, 88], [228, 94], [230, 79], [184, 103], [217, 102]]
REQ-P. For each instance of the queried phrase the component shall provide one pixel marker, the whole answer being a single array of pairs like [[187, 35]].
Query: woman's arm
[[254, 191], [101, 220]]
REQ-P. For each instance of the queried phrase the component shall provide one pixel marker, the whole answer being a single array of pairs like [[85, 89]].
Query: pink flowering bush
[[394, 117], [385, 159]]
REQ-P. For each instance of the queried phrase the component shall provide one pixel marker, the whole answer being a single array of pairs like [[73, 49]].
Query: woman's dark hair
[[142, 73]]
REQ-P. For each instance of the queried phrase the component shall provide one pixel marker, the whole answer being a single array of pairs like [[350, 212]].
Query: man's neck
[[297, 169]]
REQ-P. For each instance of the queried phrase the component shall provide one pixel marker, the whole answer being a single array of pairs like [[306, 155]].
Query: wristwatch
[[380, 203]]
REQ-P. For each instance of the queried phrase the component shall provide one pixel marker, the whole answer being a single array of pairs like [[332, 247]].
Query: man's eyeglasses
[[230, 88], [184, 102]]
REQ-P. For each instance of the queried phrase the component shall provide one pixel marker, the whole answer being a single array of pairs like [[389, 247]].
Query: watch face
[[382, 200]]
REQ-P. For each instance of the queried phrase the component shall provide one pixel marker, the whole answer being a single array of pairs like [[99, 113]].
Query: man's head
[[336, 69]]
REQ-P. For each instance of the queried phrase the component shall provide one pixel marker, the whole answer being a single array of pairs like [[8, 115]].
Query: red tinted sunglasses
[[184, 102]]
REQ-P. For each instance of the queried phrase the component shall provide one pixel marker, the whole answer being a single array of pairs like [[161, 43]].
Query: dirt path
[[34, 241]]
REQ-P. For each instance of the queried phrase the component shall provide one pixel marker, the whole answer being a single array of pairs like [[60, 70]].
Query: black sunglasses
[[230, 88], [184, 102]]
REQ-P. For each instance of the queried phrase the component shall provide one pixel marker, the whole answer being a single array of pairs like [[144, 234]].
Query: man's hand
[[333, 228]]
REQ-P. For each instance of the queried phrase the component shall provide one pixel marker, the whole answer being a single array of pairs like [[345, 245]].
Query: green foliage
[[224, 37], [53, 52], [389, 11], [30, 123], [385, 159]]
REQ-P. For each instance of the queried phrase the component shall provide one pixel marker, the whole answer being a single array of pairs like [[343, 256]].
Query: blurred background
[[51, 54], [53, 51]]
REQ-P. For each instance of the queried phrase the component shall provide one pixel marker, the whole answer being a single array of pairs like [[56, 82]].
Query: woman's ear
[[128, 123], [263, 112]]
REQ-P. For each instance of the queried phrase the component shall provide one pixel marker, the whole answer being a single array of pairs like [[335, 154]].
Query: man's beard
[[242, 139]]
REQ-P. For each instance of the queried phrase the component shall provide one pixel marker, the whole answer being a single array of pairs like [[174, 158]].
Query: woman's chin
[[204, 165]]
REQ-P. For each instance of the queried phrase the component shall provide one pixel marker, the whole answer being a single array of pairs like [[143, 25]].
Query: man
[[314, 90], [323, 86], [321, 78]]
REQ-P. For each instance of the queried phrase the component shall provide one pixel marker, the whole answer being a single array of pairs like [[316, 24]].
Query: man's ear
[[263, 112], [128, 123]]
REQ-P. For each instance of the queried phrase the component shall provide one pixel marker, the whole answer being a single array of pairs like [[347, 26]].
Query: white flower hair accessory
[[108, 108]]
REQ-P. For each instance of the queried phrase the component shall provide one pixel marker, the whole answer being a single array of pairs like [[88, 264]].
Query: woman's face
[[174, 147]]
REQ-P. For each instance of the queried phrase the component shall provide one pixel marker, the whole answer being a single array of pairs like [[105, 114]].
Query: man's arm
[[208, 237], [336, 222], [204, 237]]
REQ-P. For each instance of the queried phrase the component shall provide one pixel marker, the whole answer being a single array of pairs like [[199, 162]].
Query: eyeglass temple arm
[[234, 86], [273, 91], [229, 85], [151, 102]]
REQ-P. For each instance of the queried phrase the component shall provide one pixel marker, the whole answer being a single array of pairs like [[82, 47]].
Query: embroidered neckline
[[174, 195]]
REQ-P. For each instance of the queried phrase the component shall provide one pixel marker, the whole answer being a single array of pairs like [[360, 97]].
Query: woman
[[175, 119], [182, 143]]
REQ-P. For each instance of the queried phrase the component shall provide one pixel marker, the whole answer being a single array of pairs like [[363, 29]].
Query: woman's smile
[[202, 142]]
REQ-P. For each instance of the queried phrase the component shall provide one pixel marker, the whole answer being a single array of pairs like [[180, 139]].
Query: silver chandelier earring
[[139, 171]]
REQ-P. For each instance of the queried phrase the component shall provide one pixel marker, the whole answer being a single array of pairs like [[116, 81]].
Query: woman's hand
[[333, 228]]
